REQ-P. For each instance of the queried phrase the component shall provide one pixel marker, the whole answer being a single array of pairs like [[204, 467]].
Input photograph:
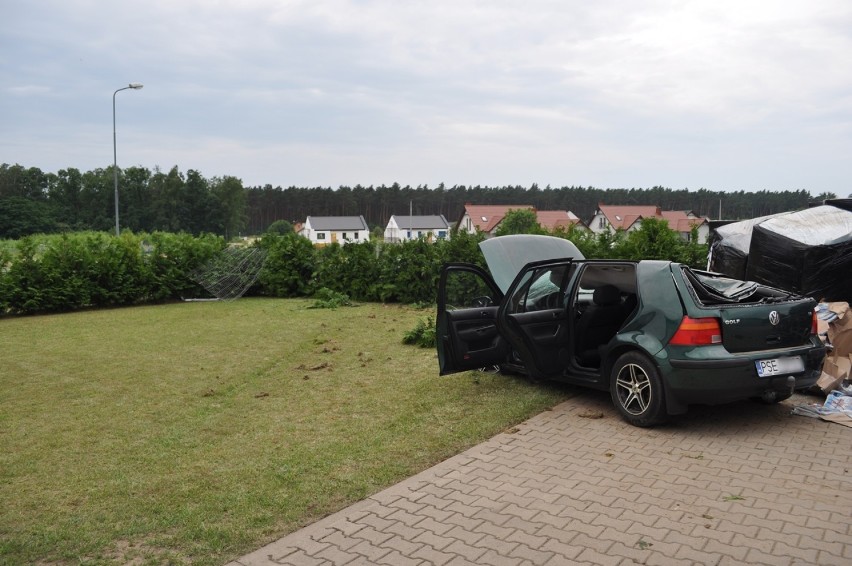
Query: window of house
[[320, 235], [600, 222], [355, 235], [419, 234], [442, 234], [344, 235], [409, 234]]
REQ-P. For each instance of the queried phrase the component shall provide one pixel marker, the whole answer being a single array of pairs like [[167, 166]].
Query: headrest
[[607, 295]]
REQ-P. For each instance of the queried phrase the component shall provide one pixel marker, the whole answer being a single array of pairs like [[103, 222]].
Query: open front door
[[467, 335], [536, 320]]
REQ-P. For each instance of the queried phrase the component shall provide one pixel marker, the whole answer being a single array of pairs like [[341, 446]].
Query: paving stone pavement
[[738, 484]]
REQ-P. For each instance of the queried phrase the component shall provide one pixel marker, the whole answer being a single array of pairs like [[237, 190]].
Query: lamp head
[[135, 86]]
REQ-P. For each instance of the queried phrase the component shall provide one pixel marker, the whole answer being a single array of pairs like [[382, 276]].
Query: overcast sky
[[717, 94]]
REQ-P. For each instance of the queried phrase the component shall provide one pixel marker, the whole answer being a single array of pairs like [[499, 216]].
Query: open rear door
[[466, 334]]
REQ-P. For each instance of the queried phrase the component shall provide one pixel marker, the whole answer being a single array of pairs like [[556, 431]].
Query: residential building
[[628, 218], [324, 230], [487, 217], [432, 228], [550, 220]]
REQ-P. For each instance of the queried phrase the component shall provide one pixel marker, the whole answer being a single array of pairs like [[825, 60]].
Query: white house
[[323, 230], [609, 218], [432, 228]]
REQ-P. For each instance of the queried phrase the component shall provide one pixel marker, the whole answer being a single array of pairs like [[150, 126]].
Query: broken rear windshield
[[714, 289]]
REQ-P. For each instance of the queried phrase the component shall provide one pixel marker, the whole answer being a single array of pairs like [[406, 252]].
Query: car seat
[[598, 324]]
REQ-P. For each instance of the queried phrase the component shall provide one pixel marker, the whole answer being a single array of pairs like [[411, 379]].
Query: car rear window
[[714, 289]]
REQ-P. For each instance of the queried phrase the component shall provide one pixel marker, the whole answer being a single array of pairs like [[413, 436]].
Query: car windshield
[[507, 255]]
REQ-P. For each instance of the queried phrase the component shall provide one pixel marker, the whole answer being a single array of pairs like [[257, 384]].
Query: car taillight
[[697, 332], [814, 328]]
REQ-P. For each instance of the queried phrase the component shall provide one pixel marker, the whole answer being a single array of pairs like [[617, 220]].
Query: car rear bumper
[[724, 377]]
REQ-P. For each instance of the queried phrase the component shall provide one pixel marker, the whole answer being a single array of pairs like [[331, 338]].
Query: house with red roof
[[628, 218], [487, 217], [551, 220]]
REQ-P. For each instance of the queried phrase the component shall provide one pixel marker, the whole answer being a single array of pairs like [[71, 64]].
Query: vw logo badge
[[774, 318]]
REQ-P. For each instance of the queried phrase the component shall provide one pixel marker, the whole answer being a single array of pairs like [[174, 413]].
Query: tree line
[[34, 201]]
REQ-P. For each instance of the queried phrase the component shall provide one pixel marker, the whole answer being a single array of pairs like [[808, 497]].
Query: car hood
[[507, 255]]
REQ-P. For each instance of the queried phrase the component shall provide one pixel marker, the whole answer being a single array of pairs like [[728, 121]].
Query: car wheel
[[637, 390]]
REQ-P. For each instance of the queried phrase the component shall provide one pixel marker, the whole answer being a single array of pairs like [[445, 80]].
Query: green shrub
[[461, 247], [351, 269], [288, 267], [326, 298], [423, 334], [172, 257], [408, 272]]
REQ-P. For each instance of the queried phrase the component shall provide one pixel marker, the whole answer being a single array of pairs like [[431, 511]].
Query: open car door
[[535, 317], [466, 324]]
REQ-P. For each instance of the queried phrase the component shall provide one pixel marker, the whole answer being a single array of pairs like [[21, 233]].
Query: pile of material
[[808, 252], [834, 324]]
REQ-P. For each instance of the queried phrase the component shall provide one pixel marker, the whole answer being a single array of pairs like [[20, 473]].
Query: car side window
[[466, 289], [540, 289]]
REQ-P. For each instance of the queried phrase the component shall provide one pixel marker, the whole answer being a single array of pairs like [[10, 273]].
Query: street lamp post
[[134, 86]]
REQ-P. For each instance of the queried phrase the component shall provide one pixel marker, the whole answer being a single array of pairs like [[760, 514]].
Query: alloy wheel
[[633, 388]]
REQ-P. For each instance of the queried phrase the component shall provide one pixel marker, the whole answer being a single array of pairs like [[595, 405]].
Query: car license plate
[[779, 366]]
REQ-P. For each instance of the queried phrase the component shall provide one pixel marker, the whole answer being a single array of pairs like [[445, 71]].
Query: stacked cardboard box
[[838, 362]]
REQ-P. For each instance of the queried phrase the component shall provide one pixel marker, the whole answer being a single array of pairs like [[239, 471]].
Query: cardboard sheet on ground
[[839, 418]]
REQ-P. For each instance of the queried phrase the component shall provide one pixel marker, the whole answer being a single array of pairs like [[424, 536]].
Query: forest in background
[[34, 201]]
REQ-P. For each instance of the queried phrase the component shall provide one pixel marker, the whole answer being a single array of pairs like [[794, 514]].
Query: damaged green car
[[658, 335]]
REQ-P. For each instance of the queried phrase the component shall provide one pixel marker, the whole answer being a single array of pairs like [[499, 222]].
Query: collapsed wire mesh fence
[[231, 273]]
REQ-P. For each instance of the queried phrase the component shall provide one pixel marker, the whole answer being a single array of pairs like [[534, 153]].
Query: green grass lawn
[[197, 432]]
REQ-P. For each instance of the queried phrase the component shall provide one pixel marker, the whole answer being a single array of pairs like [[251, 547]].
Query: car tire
[[637, 390]]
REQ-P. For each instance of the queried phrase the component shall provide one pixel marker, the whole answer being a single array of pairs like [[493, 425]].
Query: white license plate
[[779, 366]]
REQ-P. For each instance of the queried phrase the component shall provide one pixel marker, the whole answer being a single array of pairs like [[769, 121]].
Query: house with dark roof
[[487, 217], [324, 230], [628, 218], [431, 228]]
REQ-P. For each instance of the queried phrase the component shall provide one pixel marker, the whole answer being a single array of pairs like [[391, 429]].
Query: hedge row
[[54, 273], [368, 271], [94, 269]]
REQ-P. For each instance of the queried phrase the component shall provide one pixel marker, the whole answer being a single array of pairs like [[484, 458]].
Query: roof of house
[[681, 221], [552, 219], [337, 223], [421, 222], [623, 216], [486, 217]]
